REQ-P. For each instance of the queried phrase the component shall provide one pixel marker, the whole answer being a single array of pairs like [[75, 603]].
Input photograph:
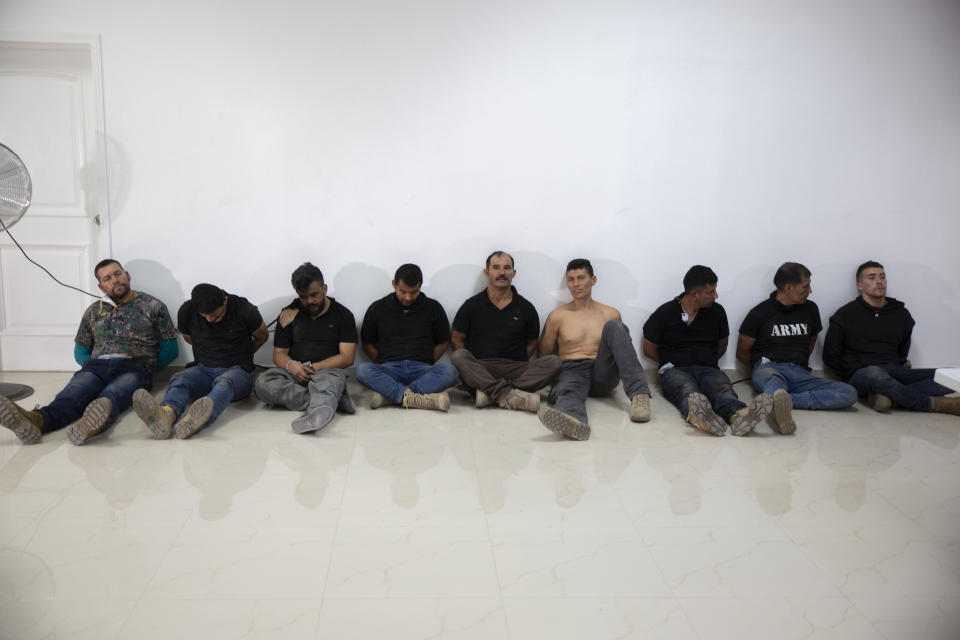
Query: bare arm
[[440, 349], [281, 358], [372, 352], [722, 347], [259, 336], [348, 353], [744, 344], [548, 339], [458, 339], [813, 343], [187, 338], [651, 350], [531, 346]]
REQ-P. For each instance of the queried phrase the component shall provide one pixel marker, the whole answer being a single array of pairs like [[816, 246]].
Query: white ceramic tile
[[413, 618], [412, 562], [598, 619], [59, 620], [577, 562], [901, 618], [287, 619]]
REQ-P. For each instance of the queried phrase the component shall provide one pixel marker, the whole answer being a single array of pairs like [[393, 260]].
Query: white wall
[[246, 137]]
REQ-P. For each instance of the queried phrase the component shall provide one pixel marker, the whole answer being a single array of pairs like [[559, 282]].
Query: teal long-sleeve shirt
[[169, 350]]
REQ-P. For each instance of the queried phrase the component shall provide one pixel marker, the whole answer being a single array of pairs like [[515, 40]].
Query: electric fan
[[15, 193]]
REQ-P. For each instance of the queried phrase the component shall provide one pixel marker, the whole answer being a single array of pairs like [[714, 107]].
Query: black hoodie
[[861, 335]]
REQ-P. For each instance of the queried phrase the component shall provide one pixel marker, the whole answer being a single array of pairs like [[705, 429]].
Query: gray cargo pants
[[325, 388]]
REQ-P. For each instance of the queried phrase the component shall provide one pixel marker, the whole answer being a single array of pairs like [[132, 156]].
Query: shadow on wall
[[270, 310], [119, 176]]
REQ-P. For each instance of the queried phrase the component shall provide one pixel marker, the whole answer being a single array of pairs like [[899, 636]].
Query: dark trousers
[[114, 379], [497, 376], [680, 382], [908, 388], [616, 359]]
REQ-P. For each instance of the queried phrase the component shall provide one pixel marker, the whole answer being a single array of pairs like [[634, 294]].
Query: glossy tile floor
[[482, 524]]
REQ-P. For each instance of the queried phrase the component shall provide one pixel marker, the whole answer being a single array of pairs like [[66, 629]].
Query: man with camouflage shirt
[[119, 345]]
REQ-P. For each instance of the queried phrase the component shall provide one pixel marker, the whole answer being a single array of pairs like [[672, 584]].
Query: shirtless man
[[595, 350]]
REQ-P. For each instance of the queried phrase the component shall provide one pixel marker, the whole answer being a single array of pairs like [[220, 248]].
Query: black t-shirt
[[782, 332], [687, 345], [315, 339], [226, 343], [405, 333], [497, 333]]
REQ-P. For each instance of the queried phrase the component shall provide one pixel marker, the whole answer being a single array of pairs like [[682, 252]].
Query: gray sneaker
[[745, 420], [782, 417], [702, 416], [565, 425], [520, 401], [194, 418], [95, 419], [26, 425], [313, 420]]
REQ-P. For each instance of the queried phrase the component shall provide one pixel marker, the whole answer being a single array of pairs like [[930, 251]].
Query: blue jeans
[[908, 388], [222, 384], [806, 390], [113, 379], [680, 382], [390, 379]]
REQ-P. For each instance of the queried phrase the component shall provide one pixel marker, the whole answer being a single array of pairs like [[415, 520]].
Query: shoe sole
[[148, 410], [699, 407], [194, 418], [307, 422], [782, 418], [757, 411], [92, 423], [567, 426], [26, 431], [428, 401]]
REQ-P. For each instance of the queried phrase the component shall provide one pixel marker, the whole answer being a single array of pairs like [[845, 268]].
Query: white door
[[50, 116]]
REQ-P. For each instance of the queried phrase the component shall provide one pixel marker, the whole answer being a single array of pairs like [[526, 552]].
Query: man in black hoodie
[[867, 343], [776, 340]]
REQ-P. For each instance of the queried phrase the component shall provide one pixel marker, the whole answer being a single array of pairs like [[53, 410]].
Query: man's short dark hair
[[500, 253], [207, 297], [580, 263], [102, 264], [305, 275], [869, 264], [790, 273], [408, 274], [698, 276]]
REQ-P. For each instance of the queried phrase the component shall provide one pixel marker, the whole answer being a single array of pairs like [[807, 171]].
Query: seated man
[[595, 352], [405, 333], [314, 343], [868, 342], [225, 330], [776, 340], [494, 334], [687, 336], [119, 346]]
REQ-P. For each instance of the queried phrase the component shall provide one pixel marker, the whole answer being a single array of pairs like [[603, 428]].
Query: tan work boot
[[566, 425], [377, 400], [95, 419], [782, 416], [520, 401], [745, 420], [879, 402], [640, 408], [946, 405], [26, 425], [436, 401], [194, 418], [702, 416], [483, 400], [159, 418]]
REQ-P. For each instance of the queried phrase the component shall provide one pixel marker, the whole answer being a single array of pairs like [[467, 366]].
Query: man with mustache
[[121, 342], [314, 343], [494, 335], [225, 331], [404, 334], [596, 351], [868, 342]]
